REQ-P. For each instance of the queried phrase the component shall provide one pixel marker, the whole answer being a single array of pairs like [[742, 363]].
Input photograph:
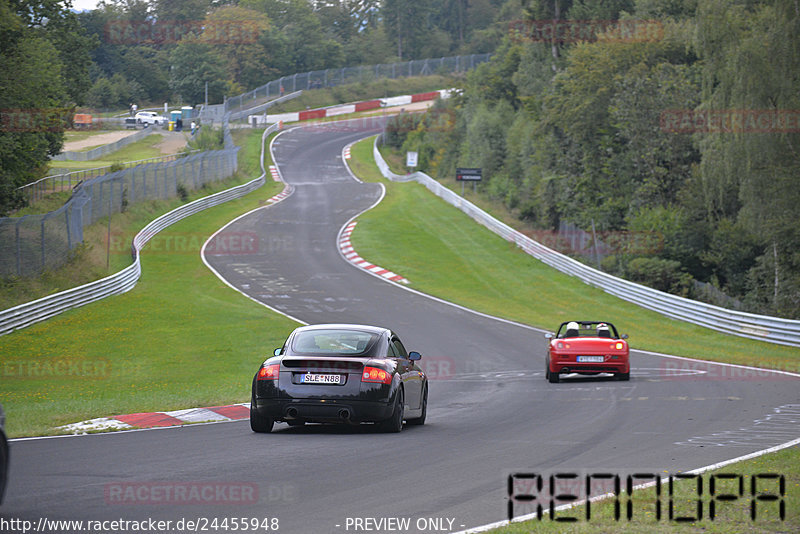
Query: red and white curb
[[273, 170], [234, 412], [352, 256], [347, 152], [287, 190]]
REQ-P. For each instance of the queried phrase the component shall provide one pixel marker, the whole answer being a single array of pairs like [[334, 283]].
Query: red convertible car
[[587, 348]]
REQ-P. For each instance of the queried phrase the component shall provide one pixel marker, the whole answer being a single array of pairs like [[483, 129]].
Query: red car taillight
[[269, 372], [373, 374]]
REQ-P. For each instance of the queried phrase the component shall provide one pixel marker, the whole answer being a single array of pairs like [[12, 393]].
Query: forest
[[56, 61], [668, 128]]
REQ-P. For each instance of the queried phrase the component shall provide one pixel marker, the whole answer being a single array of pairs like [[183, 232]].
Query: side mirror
[[624, 336], [277, 352], [549, 335], [414, 356]]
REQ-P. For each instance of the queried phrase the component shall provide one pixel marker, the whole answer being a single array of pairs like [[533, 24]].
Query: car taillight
[[373, 374], [619, 346], [269, 372]]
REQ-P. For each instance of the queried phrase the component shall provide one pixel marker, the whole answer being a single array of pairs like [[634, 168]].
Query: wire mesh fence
[[57, 183], [332, 77], [32, 244]]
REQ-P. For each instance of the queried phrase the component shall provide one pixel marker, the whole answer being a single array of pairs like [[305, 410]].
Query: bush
[[208, 138], [183, 193], [661, 274]]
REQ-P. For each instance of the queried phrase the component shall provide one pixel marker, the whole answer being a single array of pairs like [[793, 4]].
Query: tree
[[34, 98], [194, 64], [406, 22]]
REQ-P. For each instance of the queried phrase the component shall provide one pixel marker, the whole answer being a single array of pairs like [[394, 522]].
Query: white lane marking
[[664, 481]]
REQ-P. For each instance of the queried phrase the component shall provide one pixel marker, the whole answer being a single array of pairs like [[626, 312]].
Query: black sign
[[468, 175]]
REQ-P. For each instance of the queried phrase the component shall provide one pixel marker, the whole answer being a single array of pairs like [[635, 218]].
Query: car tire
[[421, 419], [395, 423], [623, 376], [3, 466], [258, 423], [552, 377]]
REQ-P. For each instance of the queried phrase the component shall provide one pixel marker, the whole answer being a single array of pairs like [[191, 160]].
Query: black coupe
[[339, 373]]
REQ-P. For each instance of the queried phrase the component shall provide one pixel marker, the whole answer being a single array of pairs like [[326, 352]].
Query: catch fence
[[332, 77], [32, 244]]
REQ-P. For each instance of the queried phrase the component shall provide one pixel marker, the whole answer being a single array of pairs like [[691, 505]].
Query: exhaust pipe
[[344, 414], [291, 413]]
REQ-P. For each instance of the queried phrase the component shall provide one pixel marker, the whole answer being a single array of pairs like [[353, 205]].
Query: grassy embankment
[[89, 260], [142, 149], [180, 338]]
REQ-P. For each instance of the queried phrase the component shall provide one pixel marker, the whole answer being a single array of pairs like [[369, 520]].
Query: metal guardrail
[[262, 108], [761, 327], [38, 310]]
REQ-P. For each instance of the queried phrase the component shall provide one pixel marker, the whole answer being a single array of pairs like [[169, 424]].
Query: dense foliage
[[44, 65], [688, 137], [149, 52], [157, 50]]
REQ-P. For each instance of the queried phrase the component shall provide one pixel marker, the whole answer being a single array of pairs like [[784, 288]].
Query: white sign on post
[[411, 159]]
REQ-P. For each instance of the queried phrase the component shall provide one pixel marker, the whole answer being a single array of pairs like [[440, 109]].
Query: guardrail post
[[42, 243], [66, 223], [19, 249]]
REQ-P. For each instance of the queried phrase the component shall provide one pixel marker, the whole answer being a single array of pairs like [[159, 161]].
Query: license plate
[[311, 378], [591, 359]]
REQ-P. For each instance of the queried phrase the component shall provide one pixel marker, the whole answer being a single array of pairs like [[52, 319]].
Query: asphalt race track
[[491, 412]]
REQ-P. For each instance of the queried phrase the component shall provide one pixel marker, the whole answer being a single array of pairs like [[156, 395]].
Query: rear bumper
[[566, 366], [324, 411]]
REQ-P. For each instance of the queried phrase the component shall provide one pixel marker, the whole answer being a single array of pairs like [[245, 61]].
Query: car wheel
[[421, 419], [258, 423], [623, 376], [395, 422], [552, 377]]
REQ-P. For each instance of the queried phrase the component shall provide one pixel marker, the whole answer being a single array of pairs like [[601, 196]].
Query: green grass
[[446, 254], [331, 96], [180, 338], [143, 149], [88, 262]]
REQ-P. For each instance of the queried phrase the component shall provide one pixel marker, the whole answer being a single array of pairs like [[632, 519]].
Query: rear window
[[333, 342]]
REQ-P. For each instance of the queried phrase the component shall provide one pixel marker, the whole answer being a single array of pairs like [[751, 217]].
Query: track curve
[[490, 411]]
